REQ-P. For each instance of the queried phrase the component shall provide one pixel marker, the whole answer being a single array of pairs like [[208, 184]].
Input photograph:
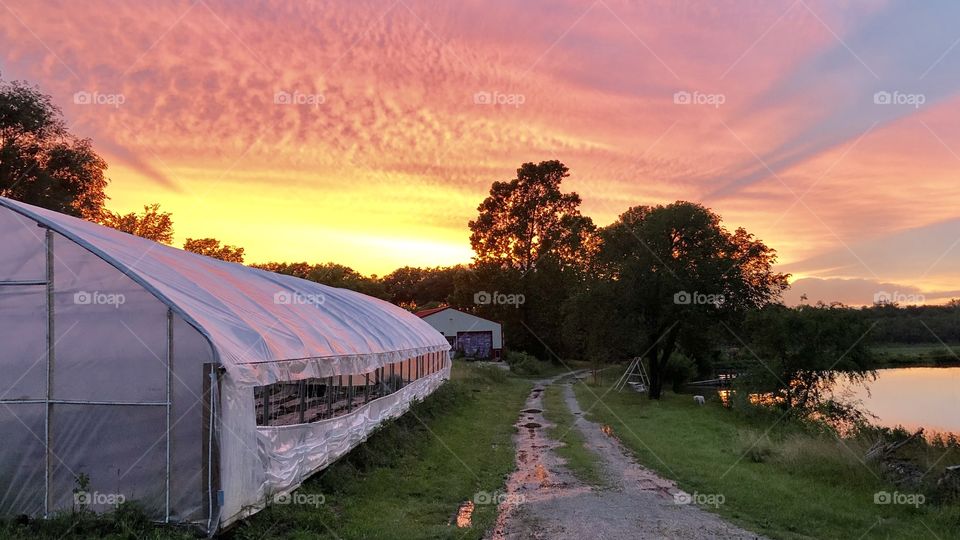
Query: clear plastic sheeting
[[292, 453], [132, 368]]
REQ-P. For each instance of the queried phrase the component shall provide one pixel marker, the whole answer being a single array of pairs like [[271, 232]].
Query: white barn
[[198, 388], [473, 336]]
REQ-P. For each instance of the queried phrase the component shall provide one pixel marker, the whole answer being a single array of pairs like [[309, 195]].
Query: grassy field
[[406, 481], [774, 479], [580, 460], [924, 354]]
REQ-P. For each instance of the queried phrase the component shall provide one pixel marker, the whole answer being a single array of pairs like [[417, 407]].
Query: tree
[[332, 274], [668, 270], [152, 224], [415, 288], [531, 242], [527, 219], [211, 248], [41, 163], [797, 355]]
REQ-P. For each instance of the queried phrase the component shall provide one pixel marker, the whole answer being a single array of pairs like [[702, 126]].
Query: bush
[[678, 371], [757, 447], [525, 365]]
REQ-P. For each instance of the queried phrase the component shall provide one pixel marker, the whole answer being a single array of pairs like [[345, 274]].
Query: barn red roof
[[428, 312]]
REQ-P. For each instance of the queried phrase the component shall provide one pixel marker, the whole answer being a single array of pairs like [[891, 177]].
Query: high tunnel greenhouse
[[198, 388]]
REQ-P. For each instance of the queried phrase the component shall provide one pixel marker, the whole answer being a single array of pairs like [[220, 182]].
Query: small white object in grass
[[698, 400]]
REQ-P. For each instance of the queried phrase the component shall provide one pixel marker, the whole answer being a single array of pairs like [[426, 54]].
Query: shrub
[[757, 447], [524, 364]]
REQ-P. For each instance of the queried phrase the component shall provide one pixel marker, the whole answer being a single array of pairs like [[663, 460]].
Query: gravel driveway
[[545, 500]]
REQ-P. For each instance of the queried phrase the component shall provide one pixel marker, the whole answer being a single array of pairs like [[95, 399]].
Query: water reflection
[[927, 397]]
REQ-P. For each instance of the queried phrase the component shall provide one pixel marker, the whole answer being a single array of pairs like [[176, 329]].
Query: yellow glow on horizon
[[371, 234]]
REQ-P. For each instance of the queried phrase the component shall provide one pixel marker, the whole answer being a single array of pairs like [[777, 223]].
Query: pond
[[927, 397]]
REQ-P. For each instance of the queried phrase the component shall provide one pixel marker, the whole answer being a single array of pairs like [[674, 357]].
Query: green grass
[[580, 459], [920, 354], [790, 484], [406, 481]]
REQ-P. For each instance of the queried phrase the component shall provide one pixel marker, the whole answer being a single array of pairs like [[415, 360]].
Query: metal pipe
[[83, 402], [166, 518], [48, 435]]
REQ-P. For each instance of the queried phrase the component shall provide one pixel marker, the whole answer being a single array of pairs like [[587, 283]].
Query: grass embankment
[[406, 481], [580, 460], [917, 355], [776, 479]]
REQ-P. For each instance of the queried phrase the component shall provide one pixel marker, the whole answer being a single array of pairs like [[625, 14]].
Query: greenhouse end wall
[[87, 424]]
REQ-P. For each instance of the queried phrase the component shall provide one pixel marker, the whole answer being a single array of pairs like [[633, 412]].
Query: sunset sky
[[366, 133]]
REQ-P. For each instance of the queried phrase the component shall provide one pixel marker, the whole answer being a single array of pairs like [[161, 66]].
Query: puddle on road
[[465, 514], [532, 411], [540, 473], [531, 425]]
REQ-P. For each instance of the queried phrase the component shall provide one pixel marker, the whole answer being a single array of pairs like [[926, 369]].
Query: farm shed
[[473, 336], [198, 388]]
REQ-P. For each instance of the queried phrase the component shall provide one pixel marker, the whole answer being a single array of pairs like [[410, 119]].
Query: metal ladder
[[635, 376]]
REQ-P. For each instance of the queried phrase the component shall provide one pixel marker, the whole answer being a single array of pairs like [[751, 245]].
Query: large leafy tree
[[211, 247], [41, 163], [152, 224], [527, 220], [669, 270], [531, 242]]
